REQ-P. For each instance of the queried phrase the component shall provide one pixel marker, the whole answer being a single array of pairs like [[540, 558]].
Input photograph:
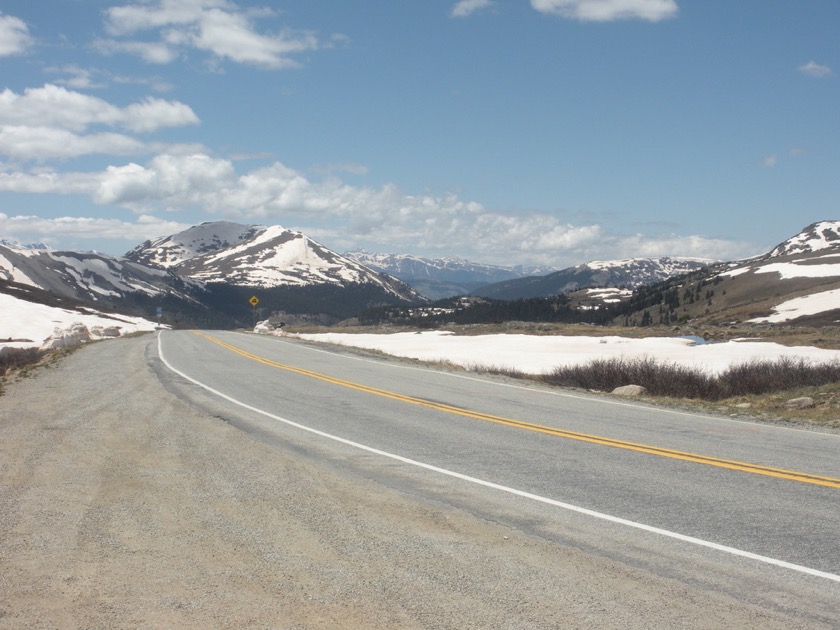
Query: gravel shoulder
[[123, 507]]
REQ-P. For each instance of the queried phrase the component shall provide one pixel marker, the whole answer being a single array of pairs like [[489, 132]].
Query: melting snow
[[801, 306], [534, 354], [20, 319]]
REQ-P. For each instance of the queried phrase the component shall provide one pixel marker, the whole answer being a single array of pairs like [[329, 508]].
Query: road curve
[[657, 486], [222, 480]]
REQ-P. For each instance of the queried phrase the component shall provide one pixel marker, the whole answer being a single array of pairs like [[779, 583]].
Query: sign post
[[253, 302]]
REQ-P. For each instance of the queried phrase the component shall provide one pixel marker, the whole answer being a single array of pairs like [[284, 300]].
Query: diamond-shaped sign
[[254, 300]]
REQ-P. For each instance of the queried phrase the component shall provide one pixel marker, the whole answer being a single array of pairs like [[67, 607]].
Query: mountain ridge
[[449, 276], [624, 273], [207, 274]]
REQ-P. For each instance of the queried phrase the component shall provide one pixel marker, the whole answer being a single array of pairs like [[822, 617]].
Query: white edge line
[[520, 493]]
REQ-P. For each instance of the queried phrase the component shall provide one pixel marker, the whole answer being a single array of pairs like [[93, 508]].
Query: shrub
[[660, 379], [761, 377], [671, 380], [16, 358]]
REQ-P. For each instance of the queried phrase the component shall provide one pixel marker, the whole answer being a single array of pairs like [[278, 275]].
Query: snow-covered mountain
[[15, 244], [91, 277], [207, 274], [171, 251], [629, 273], [813, 253], [259, 256], [817, 237], [798, 281], [437, 278]]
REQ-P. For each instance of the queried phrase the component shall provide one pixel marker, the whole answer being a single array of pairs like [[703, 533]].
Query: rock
[[803, 402], [743, 405], [105, 331], [630, 390]]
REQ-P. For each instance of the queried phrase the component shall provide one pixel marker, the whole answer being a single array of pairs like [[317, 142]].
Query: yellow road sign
[[254, 300]]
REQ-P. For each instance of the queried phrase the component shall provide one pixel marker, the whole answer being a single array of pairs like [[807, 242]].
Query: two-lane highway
[[746, 508]]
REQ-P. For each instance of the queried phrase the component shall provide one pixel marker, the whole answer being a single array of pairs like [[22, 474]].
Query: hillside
[[798, 282], [207, 275], [629, 273]]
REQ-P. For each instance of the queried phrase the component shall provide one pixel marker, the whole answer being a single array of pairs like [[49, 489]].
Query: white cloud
[[40, 143], [14, 36], [691, 246], [215, 26], [49, 122], [170, 181], [48, 182], [381, 218], [465, 8], [769, 161], [151, 52], [55, 106], [76, 77], [608, 10], [145, 227], [131, 18], [813, 69]]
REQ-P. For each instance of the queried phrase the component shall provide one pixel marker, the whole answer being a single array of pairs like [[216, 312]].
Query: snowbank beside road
[[26, 324], [541, 354]]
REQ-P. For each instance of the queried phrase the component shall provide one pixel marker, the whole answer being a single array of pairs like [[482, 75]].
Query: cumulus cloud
[[56, 106], [816, 70], [347, 217], [608, 10], [151, 52], [690, 246], [218, 27], [14, 36], [465, 8], [76, 77], [144, 228], [51, 121], [25, 143]]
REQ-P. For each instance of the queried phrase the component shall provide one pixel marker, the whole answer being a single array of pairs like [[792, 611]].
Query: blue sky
[[502, 131]]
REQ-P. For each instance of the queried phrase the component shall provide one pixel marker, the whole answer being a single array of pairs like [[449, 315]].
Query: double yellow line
[[768, 471]]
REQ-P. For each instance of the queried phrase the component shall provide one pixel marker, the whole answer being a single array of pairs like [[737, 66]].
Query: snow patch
[[533, 354], [27, 324], [799, 307]]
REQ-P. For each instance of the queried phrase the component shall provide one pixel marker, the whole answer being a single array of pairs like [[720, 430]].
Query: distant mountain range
[[629, 273], [437, 278], [798, 282], [206, 275]]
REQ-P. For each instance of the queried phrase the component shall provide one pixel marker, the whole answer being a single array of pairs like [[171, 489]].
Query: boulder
[[105, 331], [630, 390], [803, 402]]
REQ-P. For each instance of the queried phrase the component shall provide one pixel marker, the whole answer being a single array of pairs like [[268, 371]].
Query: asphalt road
[[741, 508]]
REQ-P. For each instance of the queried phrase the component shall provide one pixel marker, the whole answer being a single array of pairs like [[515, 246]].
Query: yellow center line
[[757, 469]]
